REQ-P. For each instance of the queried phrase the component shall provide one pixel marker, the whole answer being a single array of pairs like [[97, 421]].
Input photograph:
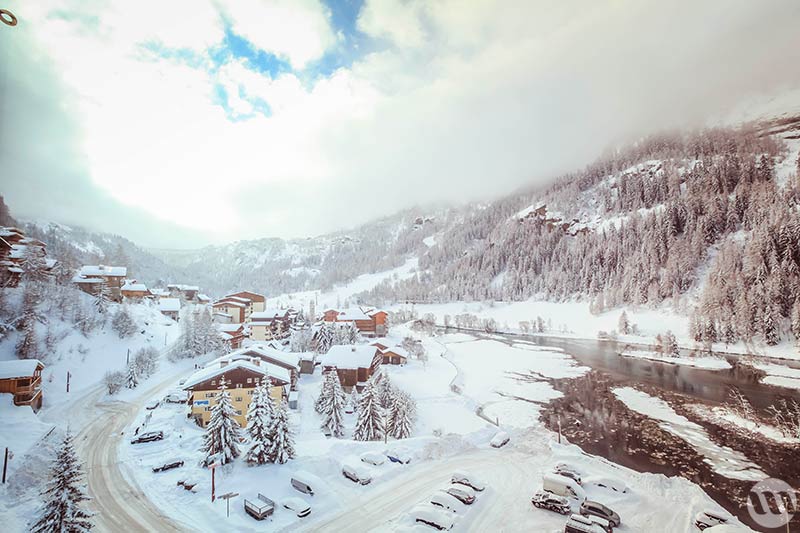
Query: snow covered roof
[[352, 314], [235, 299], [216, 368], [373, 312], [19, 368], [350, 356], [250, 295], [397, 350], [78, 279], [269, 314], [160, 292], [103, 270], [220, 303], [131, 285], [287, 358], [229, 328], [203, 298], [169, 304]]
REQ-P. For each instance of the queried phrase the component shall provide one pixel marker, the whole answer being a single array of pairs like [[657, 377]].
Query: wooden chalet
[[241, 376], [131, 290], [14, 249], [269, 354], [92, 278], [370, 322], [257, 302], [395, 355], [187, 293], [354, 363], [170, 307], [272, 323], [232, 334], [23, 379]]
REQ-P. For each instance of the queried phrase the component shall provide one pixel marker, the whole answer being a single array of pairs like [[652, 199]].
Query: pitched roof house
[[354, 363], [90, 278], [370, 322], [23, 379]]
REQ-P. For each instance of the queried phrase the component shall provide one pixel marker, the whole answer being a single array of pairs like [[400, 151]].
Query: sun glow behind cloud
[[234, 118]]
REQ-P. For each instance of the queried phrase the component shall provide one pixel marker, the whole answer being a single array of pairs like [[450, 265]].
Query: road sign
[[227, 497]]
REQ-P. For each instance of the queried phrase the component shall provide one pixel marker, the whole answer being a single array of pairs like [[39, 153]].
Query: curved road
[[118, 504]]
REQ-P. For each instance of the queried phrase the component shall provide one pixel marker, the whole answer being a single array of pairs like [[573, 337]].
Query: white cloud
[[296, 30], [465, 104]]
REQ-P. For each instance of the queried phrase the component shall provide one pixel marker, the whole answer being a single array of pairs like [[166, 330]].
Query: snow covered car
[[356, 474], [463, 493], [174, 397], [446, 501], [349, 409], [304, 482], [563, 486], [709, 517], [551, 502], [430, 515], [564, 469], [373, 458], [298, 506], [150, 436], [168, 466], [582, 524], [152, 405], [465, 478], [500, 439], [593, 508], [612, 484], [399, 455]]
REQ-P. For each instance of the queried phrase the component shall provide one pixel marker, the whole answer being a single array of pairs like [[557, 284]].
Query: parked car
[[373, 458], [564, 469], [582, 524], [593, 508], [303, 481], [349, 409], [168, 466], [465, 478], [259, 508], [500, 439], [429, 515], [174, 397], [563, 486], [150, 436], [553, 502], [399, 455], [462, 492], [298, 505], [612, 484], [356, 474], [446, 501], [152, 405], [709, 517]]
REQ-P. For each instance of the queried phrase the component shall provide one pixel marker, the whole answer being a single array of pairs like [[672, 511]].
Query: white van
[[446, 501], [563, 486], [304, 482]]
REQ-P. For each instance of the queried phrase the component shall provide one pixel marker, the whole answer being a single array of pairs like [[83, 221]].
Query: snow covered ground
[[779, 375], [725, 461], [726, 416], [448, 435], [707, 362]]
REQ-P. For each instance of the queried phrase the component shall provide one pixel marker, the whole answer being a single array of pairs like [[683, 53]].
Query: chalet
[[241, 376], [170, 307], [159, 293], [258, 302], [15, 248], [289, 361], [23, 379], [308, 361], [131, 290], [392, 356], [232, 334], [232, 308], [187, 293], [203, 299], [370, 322], [354, 364], [92, 278], [272, 323]]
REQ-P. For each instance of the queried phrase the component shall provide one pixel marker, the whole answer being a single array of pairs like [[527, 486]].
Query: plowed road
[[118, 504]]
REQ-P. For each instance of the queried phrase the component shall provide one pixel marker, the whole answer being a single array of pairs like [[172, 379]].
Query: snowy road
[[118, 504]]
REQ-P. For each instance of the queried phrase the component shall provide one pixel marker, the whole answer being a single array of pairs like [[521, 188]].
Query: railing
[[32, 387], [26, 398]]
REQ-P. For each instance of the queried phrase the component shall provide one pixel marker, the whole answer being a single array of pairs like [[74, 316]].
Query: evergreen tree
[[223, 432], [386, 392], [64, 496], [370, 423], [352, 334], [332, 408], [281, 447], [401, 417], [324, 391], [102, 298], [770, 327], [132, 380], [123, 322], [795, 326], [34, 265], [259, 418], [324, 338], [624, 325]]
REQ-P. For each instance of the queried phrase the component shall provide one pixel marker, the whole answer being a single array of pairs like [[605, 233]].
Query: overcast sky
[[179, 123]]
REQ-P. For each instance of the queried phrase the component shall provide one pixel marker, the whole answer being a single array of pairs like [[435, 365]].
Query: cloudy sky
[[183, 122]]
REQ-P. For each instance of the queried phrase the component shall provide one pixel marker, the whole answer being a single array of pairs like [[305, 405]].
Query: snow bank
[[723, 460], [707, 362], [21, 429]]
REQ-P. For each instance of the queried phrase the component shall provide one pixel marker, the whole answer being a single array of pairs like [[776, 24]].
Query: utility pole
[[128, 358], [227, 497], [68, 376], [5, 465], [213, 468]]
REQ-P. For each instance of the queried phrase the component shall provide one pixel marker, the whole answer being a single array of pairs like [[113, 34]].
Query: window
[[213, 382], [238, 385], [249, 393], [249, 380], [238, 399], [207, 409], [209, 395], [239, 412]]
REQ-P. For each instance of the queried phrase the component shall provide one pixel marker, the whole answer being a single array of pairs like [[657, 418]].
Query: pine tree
[[281, 447], [132, 380], [259, 418], [624, 325], [386, 392], [352, 333], [101, 298], [324, 391], [770, 327], [64, 496], [370, 423], [324, 338], [401, 418], [332, 408], [223, 432], [795, 326]]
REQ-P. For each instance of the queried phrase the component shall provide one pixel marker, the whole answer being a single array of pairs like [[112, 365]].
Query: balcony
[[31, 398]]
